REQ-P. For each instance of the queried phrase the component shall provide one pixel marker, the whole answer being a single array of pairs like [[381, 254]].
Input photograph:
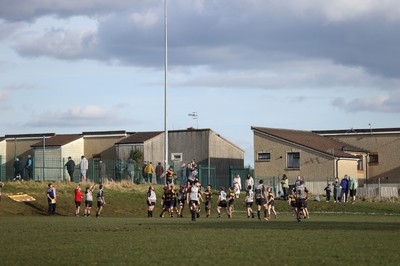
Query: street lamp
[[165, 84]]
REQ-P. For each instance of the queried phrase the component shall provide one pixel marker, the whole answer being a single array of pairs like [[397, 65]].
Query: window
[[176, 157], [263, 156], [360, 164], [293, 160], [373, 159]]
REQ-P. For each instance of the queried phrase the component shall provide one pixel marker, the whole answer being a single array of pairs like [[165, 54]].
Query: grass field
[[366, 233]]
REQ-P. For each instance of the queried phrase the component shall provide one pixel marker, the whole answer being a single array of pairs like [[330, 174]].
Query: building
[[383, 146], [50, 156], [305, 153], [108, 153], [19, 145], [212, 152]]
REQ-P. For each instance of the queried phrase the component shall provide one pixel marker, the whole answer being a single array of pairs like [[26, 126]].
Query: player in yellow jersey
[[207, 204], [271, 203], [292, 202], [231, 201]]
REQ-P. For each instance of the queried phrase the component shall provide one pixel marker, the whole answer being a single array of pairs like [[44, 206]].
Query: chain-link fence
[[378, 188]]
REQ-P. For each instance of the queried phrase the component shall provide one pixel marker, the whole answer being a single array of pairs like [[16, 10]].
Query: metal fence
[[379, 188], [99, 171]]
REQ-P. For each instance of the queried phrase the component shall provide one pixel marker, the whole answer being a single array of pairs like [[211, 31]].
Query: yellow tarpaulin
[[21, 197]]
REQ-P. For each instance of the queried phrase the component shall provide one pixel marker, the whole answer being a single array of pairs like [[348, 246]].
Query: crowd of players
[[191, 194]]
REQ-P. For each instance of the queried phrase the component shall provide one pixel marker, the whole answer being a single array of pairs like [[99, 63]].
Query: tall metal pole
[[44, 149], [165, 84]]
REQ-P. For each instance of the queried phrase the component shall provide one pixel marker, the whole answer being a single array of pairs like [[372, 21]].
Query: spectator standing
[[336, 190], [327, 190], [29, 167], [149, 170], [285, 186], [18, 170], [131, 169], [70, 165], [353, 184], [249, 182], [345, 188], [159, 171], [83, 167], [237, 184]]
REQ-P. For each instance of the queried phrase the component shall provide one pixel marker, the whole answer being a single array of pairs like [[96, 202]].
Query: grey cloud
[[59, 43], [8, 29], [91, 116], [379, 103], [28, 10], [233, 36]]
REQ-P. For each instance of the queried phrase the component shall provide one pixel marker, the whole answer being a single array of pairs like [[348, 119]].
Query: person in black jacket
[[18, 170], [70, 168]]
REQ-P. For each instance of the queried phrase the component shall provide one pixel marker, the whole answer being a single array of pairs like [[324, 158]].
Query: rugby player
[[261, 199]]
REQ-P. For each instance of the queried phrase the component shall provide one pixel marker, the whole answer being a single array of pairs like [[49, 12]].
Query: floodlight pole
[[165, 85]]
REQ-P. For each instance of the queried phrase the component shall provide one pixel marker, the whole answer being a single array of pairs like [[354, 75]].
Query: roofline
[[115, 133], [190, 129], [360, 131], [29, 136], [302, 146]]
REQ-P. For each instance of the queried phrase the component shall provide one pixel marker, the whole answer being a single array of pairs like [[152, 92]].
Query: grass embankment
[[129, 200]]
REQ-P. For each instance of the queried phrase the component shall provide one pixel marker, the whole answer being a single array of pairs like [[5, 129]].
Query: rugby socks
[[258, 214], [265, 213]]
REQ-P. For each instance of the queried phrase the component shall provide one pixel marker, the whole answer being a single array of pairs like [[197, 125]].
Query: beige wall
[[348, 167], [221, 148], [192, 145], [313, 166], [154, 149], [73, 149], [103, 145], [387, 147]]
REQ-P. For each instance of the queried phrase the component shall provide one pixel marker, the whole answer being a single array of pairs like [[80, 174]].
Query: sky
[[98, 65]]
